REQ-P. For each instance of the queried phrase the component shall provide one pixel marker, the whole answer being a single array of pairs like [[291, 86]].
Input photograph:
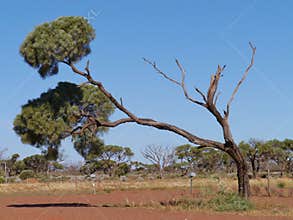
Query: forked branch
[[209, 100], [253, 48], [142, 121], [181, 84]]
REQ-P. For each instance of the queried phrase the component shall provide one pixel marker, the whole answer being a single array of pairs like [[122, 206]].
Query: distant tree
[[122, 169], [206, 160], [228, 163], [7, 165], [137, 166], [288, 148], [116, 153], [37, 163], [187, 154], [10, 163], [210, 161], [281, 152], [159, 156], [18, 167], [66, 40], [112, 159], [45, 121], [254, 151]]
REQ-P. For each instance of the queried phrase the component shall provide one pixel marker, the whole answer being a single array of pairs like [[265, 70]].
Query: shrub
[[229, 202], [25, 174], [42, 178], [57, 166], [2, 173], [2, 179], [122, 169], [184, 203], [11, 180], [222, 202], [281, 185]]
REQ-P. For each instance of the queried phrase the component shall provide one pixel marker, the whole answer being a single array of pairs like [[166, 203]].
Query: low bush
[[222, 202], [25, 174], [184, 203], [281, 185], [229, 202], [2, 179]]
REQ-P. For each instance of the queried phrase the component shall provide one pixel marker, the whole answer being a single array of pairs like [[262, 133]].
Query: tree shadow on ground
[[45, 205]]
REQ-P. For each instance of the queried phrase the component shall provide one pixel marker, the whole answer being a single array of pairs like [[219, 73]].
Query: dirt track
[[87, 207]]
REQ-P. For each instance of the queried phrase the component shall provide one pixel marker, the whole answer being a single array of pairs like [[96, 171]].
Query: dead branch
[[253, 48], [143, 121], [201, 93], [215, 78], [181, 84]]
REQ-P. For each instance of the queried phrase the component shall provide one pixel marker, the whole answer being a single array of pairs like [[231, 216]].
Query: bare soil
[[100, 206]]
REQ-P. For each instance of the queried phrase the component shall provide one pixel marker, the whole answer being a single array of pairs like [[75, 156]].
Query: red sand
[[64, 207]]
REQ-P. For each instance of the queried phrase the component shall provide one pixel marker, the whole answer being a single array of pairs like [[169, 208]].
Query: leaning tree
[[67, 40]]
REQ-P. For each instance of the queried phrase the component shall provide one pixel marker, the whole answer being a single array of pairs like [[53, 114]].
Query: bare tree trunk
[[253, 167], [243, 179], [242, 171], [268, 182]]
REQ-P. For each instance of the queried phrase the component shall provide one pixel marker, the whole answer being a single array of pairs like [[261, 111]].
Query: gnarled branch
[[143, 121]]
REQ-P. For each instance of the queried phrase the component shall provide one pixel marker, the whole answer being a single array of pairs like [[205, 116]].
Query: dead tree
[[159, 156], [209, 102]]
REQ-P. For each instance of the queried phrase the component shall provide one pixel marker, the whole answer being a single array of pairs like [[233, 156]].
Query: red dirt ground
[[64, 207]]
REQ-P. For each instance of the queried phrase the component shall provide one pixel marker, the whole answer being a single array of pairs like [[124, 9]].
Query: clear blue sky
[[201, 34]]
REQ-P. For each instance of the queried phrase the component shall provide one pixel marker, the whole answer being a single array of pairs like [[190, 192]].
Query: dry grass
[[87, 186], [204, 189], [282, 187]]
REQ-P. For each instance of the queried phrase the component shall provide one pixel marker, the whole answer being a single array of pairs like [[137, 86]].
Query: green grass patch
[[281, 185], [229, 202], [221, 202]]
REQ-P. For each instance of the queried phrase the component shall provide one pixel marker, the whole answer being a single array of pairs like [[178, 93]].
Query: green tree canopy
[[65, 39], [111, 159], [186, 153], [45, 121], [116, 153], [88, 146], [37, 163], [254, 150], [281, 152]]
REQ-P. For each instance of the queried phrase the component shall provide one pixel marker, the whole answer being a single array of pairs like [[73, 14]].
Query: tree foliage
[[112, 160], [37, 163], [88, 146], [45, 121], [46, 56], [262, 153], [65, 39], [206, 160]]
